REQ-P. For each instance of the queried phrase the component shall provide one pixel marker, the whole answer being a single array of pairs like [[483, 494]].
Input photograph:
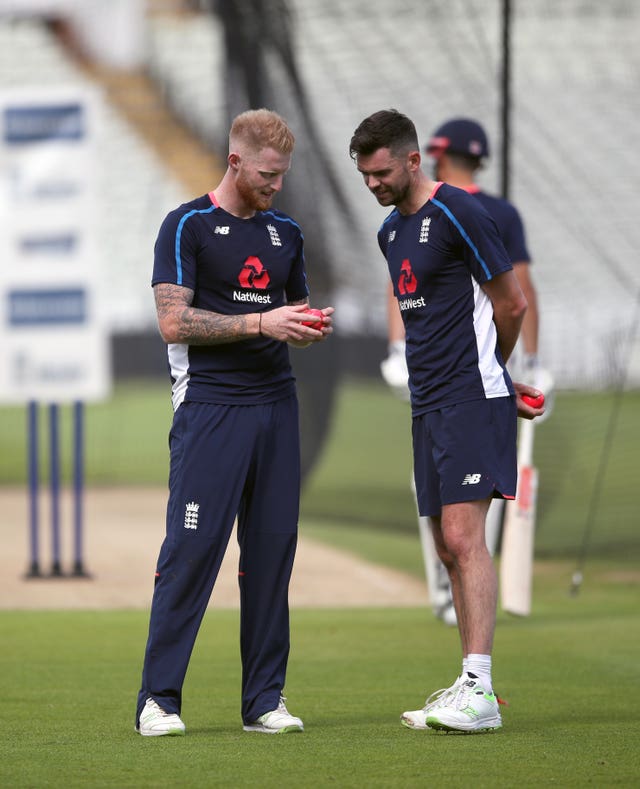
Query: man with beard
[[459, 147], [462, 309], [231, 292]]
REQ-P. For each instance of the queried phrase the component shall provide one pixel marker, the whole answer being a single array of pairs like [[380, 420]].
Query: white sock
[[480, 665], [465, 664]]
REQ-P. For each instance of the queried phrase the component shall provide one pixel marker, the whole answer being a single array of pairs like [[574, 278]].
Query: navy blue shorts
[[465, 452]]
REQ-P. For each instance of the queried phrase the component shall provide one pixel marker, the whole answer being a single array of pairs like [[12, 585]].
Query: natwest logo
[[251, 296], [407, 282], [253, 274]]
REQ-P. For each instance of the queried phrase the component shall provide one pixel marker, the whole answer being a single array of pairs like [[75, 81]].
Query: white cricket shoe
[[155, 722], [469, 709], [278, 721], [417, 719]]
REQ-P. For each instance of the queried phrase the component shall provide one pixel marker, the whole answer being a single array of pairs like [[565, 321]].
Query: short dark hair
[[465, 161], [384, 129]]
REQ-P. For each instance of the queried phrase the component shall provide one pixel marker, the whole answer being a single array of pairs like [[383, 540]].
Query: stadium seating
[[574, 164]]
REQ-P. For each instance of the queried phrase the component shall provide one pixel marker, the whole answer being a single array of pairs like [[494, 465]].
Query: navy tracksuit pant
[[226, 460]]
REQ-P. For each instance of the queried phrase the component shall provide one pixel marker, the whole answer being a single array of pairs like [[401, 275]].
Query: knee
[[445, 556], [461, 548]]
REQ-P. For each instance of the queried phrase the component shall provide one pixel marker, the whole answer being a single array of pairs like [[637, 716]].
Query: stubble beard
[[392, 196]]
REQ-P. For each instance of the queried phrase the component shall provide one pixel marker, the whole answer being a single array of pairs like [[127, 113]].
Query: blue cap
[[459, 135]]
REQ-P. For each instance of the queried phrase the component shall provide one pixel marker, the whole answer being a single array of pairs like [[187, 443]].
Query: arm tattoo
[[195, 326]]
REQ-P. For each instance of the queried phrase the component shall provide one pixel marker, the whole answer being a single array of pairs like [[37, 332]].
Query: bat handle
[[525, 442]]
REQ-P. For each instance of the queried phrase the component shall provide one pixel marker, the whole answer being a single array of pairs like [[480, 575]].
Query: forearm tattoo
[[195, 326]]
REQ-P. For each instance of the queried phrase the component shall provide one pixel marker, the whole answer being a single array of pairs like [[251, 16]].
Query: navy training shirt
[[234, 266], [508, 221], [438, 258]]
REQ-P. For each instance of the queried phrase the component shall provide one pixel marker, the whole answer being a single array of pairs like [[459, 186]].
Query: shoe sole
[[410, 725], [263, 730], [434, 723], [172, 733]]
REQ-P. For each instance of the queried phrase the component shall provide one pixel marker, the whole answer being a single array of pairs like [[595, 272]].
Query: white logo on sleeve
[[471, 479], [191, 515]]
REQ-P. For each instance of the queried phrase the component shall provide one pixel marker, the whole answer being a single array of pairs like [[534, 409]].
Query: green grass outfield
[[570, 674], [360, 485], [570, 671]]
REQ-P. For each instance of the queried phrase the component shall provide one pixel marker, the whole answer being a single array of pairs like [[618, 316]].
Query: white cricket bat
[[516, 556], [493, 525], [437, 577]]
